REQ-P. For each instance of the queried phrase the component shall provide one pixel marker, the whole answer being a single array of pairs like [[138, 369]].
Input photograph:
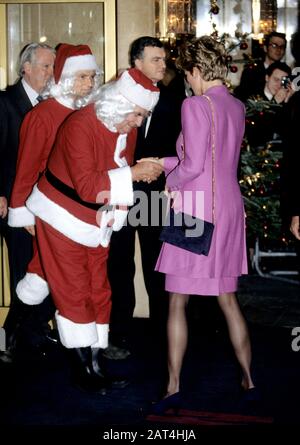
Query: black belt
[[72, 194]]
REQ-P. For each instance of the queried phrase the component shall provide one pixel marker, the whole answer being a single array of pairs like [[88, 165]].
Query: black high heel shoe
[[173, 402], [252, 395]]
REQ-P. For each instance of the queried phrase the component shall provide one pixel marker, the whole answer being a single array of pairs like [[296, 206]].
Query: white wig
[[64, 89], [111, 107]]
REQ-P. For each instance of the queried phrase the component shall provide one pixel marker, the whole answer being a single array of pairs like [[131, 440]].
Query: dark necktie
[[39, 98]]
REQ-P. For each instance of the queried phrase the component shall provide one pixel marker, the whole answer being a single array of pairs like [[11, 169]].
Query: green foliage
[[260, 182]]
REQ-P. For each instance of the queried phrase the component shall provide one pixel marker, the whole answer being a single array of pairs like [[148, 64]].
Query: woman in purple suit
[[211, 117]]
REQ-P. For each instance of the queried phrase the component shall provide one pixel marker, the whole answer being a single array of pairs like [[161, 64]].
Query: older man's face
[[38, 72], [84, 82]]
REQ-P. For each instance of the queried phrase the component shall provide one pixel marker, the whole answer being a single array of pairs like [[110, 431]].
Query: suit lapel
[[20, 98]]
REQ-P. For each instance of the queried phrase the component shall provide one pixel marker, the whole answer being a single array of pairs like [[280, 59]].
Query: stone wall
[[135, 18]]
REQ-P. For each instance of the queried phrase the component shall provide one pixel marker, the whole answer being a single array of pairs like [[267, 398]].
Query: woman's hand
[[146, 170], [159, 161]]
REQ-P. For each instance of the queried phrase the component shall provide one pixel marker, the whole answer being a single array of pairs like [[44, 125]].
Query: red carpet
[[188, 417]]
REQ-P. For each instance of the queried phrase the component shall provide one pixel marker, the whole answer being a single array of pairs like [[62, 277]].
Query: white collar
[[31, 93]]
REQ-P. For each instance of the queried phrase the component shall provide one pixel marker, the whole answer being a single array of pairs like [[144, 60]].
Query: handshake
[[147, 169]]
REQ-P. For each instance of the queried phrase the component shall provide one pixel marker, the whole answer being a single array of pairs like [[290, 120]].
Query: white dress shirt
[[31, 93]]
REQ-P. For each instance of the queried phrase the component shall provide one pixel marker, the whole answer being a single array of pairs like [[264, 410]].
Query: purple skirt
[[200, 286]]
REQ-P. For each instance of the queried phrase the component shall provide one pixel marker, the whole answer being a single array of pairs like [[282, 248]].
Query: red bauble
[[233, 68], [243, 45]]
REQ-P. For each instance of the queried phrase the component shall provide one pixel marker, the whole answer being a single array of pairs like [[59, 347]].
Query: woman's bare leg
[[239, 335], [177, 331]]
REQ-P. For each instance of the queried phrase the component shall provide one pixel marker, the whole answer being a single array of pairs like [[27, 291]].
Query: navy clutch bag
[[188, 232]]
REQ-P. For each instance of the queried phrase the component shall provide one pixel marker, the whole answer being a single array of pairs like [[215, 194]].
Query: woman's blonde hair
[[205, 53]]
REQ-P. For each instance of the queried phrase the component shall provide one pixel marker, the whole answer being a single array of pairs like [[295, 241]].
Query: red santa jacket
[[94, 163], [37, 136]]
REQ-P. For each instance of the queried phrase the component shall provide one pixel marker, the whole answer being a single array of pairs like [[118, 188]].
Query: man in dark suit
[[275, 94], [156, 138], [36, 63], [253, 75]]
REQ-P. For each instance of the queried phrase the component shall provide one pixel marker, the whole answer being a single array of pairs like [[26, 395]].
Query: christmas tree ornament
[[243, 45], [214, 8]]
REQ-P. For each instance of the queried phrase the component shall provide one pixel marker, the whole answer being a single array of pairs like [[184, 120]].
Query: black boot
[[112, 382], [84, 375], [18, 316], [27, 330]]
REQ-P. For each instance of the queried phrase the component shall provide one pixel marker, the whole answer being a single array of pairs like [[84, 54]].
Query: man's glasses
[[275, 45]]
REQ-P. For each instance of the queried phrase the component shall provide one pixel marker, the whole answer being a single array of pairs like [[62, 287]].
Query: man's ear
[[27, 67], [138, 64]]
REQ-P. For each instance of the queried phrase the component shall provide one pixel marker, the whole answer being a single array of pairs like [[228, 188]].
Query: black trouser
[[121, 271], [19, 246], [31, 327]]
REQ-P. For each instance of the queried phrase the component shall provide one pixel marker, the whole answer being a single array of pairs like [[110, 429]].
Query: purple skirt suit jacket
[[191, 171]]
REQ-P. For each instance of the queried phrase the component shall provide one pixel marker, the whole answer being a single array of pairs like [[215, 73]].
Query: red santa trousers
[[77, 277]]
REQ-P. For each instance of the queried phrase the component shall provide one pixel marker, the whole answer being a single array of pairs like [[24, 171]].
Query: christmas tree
[[260, 178]]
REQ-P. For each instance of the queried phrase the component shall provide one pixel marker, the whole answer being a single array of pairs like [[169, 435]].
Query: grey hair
[[111, 106], [28, 54]]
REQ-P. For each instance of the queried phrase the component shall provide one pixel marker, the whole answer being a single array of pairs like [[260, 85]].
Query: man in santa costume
[[79, 201], [75, 76]]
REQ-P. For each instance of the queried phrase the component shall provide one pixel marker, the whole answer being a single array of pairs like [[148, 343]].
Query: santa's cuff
[[32, 289], [20, 217], [102, 331], [76, 335], [121, 191]]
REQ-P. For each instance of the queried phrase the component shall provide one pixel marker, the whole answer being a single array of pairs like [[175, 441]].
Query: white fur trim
[[106, 228], [120, 146], [102, 331], [32, 289], [79, 63], [76, 335], [66, 101], [120, 218], [20, 217], [63, 221], [121, 191], [136, 93]]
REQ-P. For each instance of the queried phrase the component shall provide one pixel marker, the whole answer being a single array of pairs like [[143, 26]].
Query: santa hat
[[72, 58], [138, 89]]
